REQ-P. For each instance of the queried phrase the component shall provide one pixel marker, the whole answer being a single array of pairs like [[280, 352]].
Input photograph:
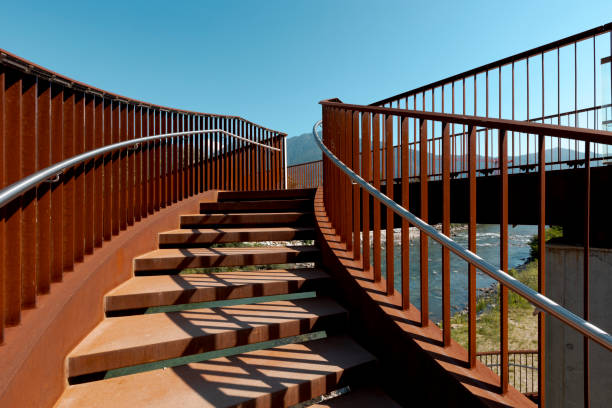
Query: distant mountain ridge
[[302, 149]]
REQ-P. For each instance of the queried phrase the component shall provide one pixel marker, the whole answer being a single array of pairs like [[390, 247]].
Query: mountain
[[302, 149]]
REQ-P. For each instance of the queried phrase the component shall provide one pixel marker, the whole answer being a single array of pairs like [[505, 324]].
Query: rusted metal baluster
[[68, 181], [424, 261], [348, 191], [141, 129], [3, 270], [356, 206], [472, 247], [586, 270], [43, 193], [79, 178], [123, 164], [366, 173], [503, 233], [29, 148], [180, 146], [405, 203], [389, 216], [376, 204], [542, 269], [174, 155], [446, 294], [154, 163], [132, 152]]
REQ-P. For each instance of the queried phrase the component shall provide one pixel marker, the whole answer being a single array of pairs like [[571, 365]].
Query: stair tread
[[193, 252], [361, 397], [158, 290], [266, 194], [245, 205], [229, 234], [130, 340], [278, 376]]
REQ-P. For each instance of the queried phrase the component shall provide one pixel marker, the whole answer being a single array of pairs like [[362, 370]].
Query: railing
[[48, 121], [567, 82], [351, 179], [522, 367], [305, 175]]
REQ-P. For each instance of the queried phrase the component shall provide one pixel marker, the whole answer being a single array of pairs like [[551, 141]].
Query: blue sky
[[273, 61]]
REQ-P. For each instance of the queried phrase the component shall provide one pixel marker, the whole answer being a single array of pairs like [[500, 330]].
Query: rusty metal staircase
[[155, 346]]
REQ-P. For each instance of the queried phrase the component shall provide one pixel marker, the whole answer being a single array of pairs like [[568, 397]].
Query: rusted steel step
[[205, 236], [131, 340], [258, 205], [161, 290], [275, 377], [266, 194], [172, 259], [257, 218], [361, 397]]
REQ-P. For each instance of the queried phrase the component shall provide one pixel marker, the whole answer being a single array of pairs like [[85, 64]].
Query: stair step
[[266, 194], [266, 218], [184, 237], [132, 340], [361, 397], [162, 290], [275, 377], [171, 259], [261, 205]]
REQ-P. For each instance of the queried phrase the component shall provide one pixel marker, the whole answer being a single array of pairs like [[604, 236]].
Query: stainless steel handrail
[[545, 304], [11, 192]]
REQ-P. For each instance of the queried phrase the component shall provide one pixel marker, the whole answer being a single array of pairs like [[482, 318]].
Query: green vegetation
[[522, 322]]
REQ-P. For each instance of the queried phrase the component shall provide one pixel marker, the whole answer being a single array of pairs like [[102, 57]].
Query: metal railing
[[305, 175], [351, 178], [120, 160], [523, 368]]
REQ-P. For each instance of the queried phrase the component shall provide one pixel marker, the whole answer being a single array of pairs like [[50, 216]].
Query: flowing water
[[487, 246]]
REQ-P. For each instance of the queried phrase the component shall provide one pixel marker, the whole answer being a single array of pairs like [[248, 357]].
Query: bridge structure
[[272, 290]]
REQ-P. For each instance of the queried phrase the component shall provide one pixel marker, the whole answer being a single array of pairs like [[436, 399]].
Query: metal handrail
[[542, 302], [11, 192]]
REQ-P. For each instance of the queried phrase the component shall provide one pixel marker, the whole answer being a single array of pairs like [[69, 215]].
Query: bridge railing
[[305, 175], [566, 82], [46, 119], [353, 180]]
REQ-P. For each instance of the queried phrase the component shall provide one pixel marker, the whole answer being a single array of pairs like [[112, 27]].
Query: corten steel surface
[[407, 347], [46, 118], [448, 203]]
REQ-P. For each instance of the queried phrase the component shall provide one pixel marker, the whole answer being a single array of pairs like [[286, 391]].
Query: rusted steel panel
[[3, 270], [366, 173], [174, 154], [116, 172], [151, 162], [586, 273], [356, 201], [132, 153], [123, 168], [98, 201], [390, 162], [542, 268], [57, 189], [68, 181], [43, 193], [153, 126], [141, 129], [29, 149]]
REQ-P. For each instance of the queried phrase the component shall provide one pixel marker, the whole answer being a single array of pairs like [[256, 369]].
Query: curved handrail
[[14, 190], [547, 305], [586, 135]]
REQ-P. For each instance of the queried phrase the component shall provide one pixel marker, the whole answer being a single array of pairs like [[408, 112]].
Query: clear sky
[[273, 61]]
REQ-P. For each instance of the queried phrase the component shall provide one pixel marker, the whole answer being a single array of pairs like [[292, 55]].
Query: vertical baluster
[[90, 215], [172, 160], [57, 188], [166, 161], [68, 181], [160, 125], [356, 206], [542, 267], [98, 200], [147, 130], [389, 216], [123, 165], [43, 230], [424, 263], [29, 147], [586, 271], [503, 232], [12, 211], [348, 191], [446, 205], [207, 141], [201, 156], [116, 174], [405, 166], [190, 147], [141, 168], [179, 156], [154, 126], [472, 247], [132, 152], [3, 270], [79, 177], [376, 204]]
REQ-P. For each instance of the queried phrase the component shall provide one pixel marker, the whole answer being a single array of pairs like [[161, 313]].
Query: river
[[487, 246]]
